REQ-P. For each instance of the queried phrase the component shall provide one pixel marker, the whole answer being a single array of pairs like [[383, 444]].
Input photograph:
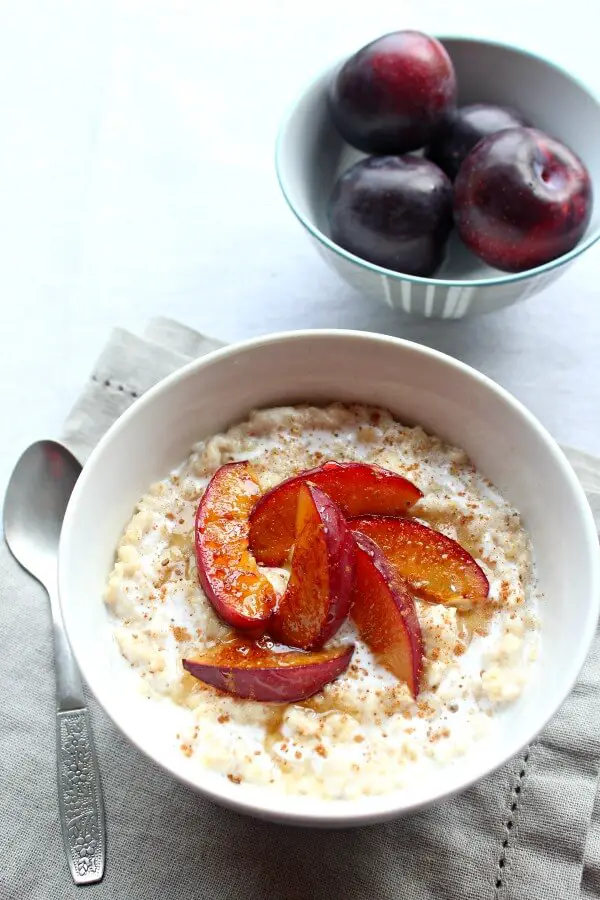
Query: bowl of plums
[[445, 177]]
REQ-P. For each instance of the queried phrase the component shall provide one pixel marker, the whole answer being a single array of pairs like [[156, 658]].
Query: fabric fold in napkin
[[531, 831]]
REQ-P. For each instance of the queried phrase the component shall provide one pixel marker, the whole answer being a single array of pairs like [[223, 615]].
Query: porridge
[[367, 731]]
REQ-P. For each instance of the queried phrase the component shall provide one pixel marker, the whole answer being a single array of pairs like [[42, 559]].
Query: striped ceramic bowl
[[310, 156]]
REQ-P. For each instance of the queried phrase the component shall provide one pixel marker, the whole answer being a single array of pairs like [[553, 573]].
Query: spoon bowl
[[33, 513]]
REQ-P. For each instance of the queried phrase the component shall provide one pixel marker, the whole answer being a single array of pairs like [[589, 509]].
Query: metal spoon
[[34, 508]]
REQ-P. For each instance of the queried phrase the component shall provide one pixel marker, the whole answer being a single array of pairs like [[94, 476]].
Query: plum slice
[[437, 568], [240, 594], [384, 613], [259, 672], [357, 488], [317, 597]]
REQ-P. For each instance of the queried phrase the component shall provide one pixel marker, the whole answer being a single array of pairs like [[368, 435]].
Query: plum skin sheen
[[393, 211], [392, 93], [521, 199], [463, 128]]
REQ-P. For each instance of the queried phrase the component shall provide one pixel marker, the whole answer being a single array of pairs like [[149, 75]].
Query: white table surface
[[137, 179]]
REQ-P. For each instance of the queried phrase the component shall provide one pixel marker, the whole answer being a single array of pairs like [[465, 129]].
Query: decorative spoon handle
[[80, 797]]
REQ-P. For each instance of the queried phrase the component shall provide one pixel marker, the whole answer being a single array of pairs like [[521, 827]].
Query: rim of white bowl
[[507, 278], [311, 811]]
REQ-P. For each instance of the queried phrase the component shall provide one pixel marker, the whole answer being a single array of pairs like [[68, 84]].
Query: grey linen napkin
[[531, 831]]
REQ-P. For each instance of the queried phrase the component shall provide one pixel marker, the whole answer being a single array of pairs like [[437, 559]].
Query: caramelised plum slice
[[384, 613], [241, 595], [437, 568], [317, 598], [259, 672], [357, 488]]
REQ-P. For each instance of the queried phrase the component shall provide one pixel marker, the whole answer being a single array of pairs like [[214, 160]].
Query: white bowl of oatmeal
[[368, 745]]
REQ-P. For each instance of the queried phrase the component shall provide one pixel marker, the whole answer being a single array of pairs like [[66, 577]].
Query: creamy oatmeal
[[362, 734]]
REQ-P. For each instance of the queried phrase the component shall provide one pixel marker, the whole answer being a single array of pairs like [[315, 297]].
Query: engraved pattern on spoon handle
[[80, 797]]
